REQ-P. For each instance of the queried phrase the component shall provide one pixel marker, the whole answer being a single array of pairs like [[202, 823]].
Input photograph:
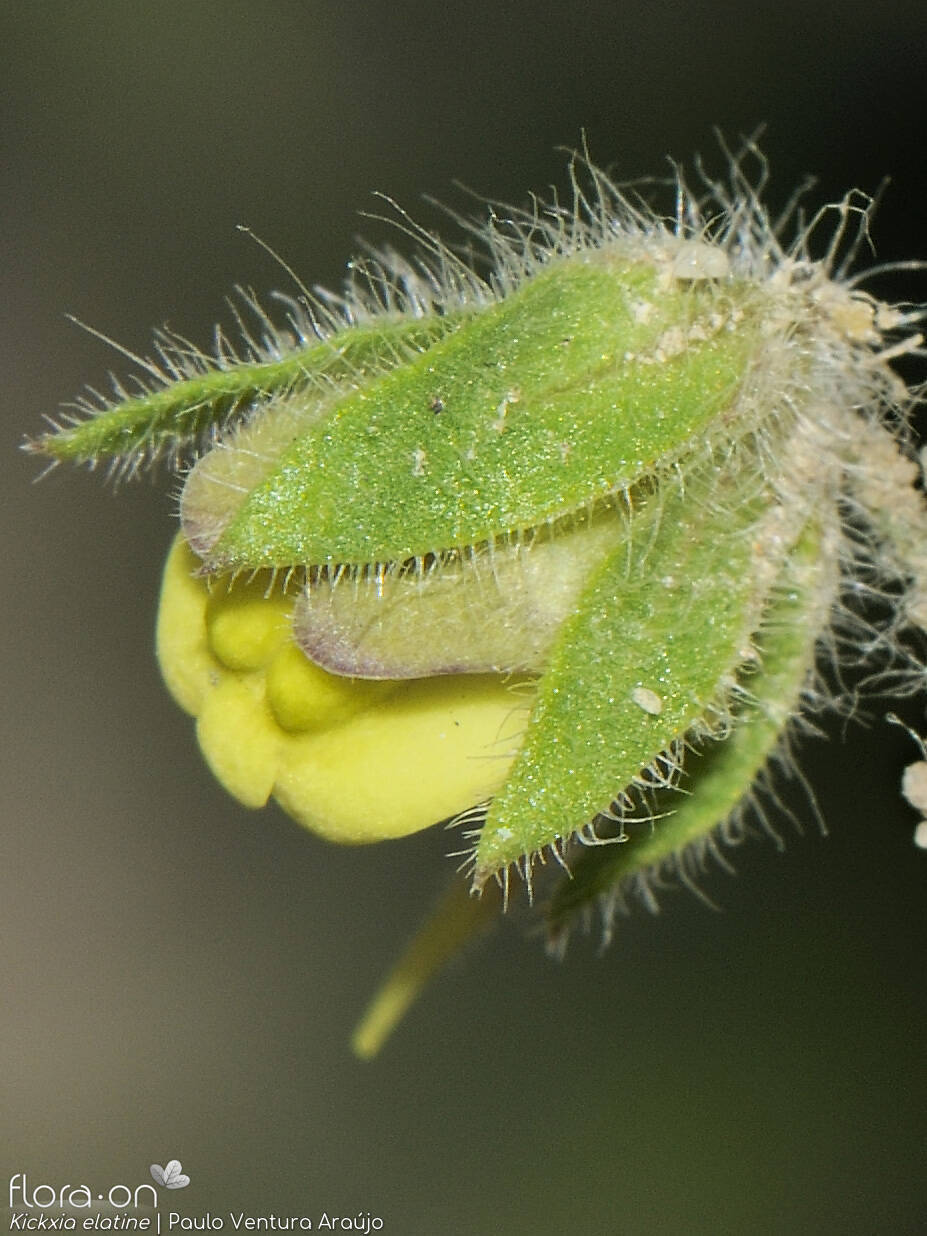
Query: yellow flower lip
[[353, 761]]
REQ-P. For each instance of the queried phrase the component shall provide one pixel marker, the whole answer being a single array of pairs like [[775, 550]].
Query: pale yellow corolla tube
[[352, 760]]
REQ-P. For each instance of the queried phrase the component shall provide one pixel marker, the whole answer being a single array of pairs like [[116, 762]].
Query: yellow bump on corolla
[[302, 696], [245, 627], [354, 761]]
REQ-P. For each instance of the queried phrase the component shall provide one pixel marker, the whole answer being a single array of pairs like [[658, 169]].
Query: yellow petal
[[239, 740], [350, 759], [187, 665], [430, 750]]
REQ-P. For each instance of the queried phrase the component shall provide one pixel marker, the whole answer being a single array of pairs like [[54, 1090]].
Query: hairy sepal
[[189, 396], [570, 388], [722, 780], [649, 656], [489, 609]]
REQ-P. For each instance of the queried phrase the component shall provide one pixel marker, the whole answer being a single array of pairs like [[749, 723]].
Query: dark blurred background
[[179, 975]]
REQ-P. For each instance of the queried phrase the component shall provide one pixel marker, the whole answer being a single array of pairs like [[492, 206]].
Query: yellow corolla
[[352, 760]]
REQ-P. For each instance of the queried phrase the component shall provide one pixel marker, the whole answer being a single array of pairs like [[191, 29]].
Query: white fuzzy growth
[[648, 701], [914, 785], [695, 259], [914, 781]]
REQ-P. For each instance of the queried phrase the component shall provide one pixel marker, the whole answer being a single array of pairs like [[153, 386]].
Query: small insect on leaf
[[562, 553]]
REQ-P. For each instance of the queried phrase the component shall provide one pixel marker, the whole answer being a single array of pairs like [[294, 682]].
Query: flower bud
[[539, 549]]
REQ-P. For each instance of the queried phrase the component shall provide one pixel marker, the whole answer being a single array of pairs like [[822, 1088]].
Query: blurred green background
[[179, 975]]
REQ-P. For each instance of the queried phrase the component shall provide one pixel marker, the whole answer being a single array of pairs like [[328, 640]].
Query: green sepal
[[467, 613], [169, 418], [650, 653], [571, 388], [719, 780]]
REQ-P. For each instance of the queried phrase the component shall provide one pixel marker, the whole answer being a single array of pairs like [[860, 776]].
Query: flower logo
[[171, 1176]]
